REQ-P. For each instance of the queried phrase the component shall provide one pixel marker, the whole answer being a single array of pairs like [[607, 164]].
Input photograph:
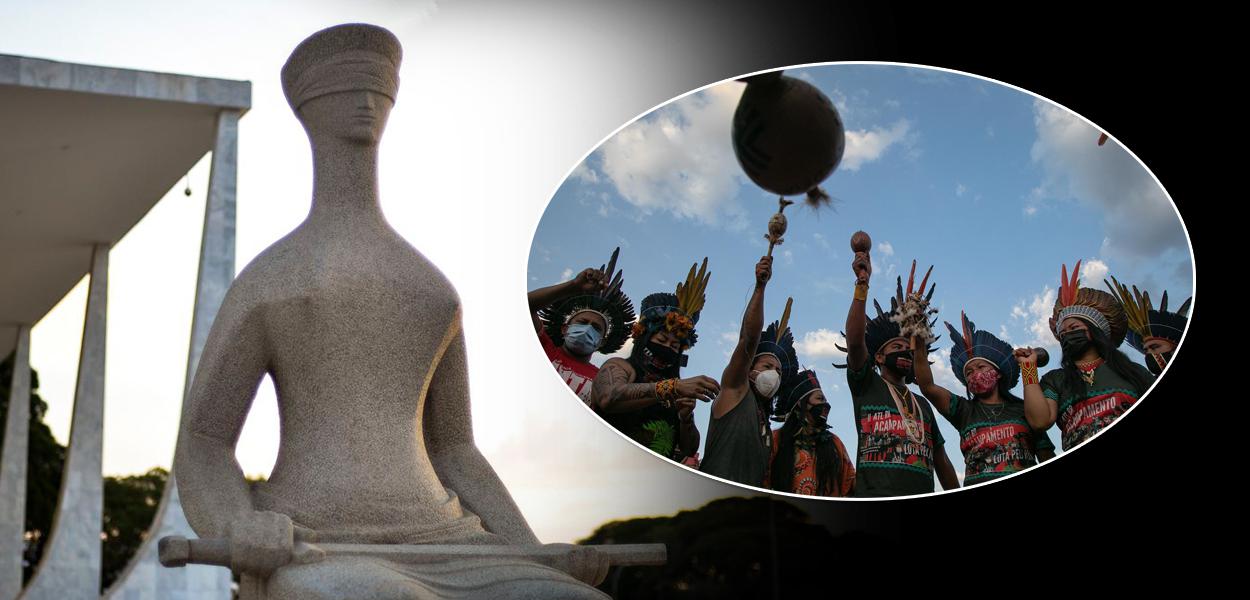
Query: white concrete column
[[144, 578], [70, 567], [13, 470]]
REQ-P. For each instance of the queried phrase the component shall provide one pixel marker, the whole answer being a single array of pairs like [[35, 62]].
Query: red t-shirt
[[578, 375]]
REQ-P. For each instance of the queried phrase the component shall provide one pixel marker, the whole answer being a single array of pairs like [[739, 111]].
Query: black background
[[1127, 500]]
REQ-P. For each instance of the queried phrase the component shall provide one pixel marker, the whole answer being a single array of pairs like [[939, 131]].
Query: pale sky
[[496, 106]]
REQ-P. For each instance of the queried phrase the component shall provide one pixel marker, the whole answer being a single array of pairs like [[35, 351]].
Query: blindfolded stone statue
[[362, 337]]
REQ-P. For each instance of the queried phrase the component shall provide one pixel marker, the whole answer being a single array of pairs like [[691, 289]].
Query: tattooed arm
[[614, 392]]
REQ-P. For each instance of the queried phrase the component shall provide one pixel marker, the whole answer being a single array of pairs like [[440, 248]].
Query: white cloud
[[1093, 271], [942, 373], [1139, 219], [566, 274], [788, 256], [820, 239], [885, 248], [679, 159], [865, 146], [1033, 316], [821, 343], [584, 173], [960, 189]]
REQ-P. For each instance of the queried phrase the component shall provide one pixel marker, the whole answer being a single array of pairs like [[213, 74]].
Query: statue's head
[[342, 82]]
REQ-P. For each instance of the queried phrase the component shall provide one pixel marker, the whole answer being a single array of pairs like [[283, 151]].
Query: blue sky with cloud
[[993, 186]]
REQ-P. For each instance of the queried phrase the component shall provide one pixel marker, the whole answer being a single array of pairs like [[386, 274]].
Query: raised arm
[[1039, 410], [734, 380], [448, 431], [586, 282], [857, 317], [213, 492], [939, 396]]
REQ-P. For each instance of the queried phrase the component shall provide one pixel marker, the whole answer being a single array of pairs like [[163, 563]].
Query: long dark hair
[[828, 460], [1118, 362]]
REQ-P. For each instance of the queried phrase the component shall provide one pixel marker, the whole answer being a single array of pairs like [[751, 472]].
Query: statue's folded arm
[[213, 490]]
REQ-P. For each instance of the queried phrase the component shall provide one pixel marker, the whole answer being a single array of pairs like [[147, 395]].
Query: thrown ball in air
[[787, 135]]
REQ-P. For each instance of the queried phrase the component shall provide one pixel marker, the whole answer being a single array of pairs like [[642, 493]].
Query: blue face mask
[[582, 339]]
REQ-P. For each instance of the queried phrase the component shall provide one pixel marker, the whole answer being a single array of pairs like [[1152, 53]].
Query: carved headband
[[348, 71]]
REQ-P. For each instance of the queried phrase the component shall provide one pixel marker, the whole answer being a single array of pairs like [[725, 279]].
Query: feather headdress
[[968, 343], [676, 313], [1096, 307], [912, 309], [794, 389], [778, 341], [611, 303], [1146, 323], [884, 327]]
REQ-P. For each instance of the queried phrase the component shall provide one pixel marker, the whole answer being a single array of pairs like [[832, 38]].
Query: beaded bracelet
[[666, 390]]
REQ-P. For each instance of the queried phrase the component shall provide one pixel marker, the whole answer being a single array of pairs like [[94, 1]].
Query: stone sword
[[178, 551]]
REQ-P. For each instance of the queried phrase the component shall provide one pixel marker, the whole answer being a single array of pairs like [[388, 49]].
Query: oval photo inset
[[860, 280]]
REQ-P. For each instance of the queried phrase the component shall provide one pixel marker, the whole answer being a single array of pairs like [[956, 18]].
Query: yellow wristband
[[1028, 372], [861, 291]]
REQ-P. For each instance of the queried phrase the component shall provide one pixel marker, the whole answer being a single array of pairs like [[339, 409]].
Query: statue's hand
[[585, 564], [261, 542]]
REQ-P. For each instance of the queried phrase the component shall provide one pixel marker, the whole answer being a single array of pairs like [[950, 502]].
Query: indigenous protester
[[995, 437], [1096, 383], [739, 436], [576, 318], [900, 447], [1154, 333], [643, 397], [807, 458]]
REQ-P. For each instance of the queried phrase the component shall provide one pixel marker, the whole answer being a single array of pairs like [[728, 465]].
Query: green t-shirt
[[995, 438], [889, 463], [1104, 401]]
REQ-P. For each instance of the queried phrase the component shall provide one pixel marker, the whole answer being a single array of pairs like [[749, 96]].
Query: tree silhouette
[[733, 548], [130, 502]]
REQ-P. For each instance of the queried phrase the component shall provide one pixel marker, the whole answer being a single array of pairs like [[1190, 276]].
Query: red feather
[[1063, 286], [926, 279]]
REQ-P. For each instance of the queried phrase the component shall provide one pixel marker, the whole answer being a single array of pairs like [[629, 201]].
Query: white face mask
[[767, 382]]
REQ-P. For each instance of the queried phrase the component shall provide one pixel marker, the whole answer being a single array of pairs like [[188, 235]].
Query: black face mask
[[892, 361], [659, 358], [1075, 342], [820, 415], [1152, 361]]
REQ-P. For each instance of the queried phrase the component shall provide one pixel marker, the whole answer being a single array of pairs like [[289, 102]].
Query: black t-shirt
[[889, 462], [995, 438], [1103, 402]]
